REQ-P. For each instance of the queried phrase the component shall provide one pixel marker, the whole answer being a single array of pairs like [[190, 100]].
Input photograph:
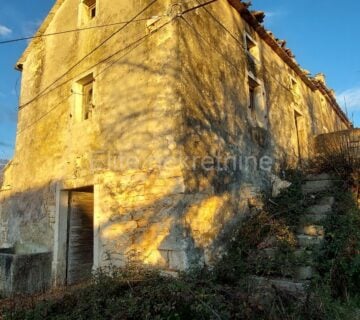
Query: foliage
[[120, 294], [225, 292], [338, 152], [338, 261]]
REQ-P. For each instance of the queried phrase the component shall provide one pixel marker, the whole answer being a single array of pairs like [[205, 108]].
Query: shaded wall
[[133, 73], [170, 93]]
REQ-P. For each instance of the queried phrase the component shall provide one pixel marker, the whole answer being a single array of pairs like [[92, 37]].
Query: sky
[[324, 35]]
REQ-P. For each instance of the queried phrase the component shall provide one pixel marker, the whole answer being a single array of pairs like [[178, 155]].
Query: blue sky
[[325, 37], [17, 18], [323, 34]]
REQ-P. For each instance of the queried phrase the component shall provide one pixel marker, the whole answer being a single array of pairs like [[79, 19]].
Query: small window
[[251, 47], [254, 91], [90, 9], [88, 99], [84, 98], [294, 87]]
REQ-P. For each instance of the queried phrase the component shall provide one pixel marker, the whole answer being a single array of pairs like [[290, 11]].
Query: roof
[[250, 18], [287, 57]]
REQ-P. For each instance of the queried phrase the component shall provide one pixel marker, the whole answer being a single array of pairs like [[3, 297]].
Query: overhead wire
[[88, 54], [131, 46], [71, 31], [48, 89], [135, 44]]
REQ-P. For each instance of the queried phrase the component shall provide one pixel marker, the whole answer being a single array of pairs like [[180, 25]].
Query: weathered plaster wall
[[218, 125], [134, 119], [168, 94]]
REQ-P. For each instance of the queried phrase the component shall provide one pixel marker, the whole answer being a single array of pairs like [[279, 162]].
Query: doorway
[[300, 137], [80, 235]]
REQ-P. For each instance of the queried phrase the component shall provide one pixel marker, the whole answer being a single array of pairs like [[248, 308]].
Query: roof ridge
[[283, 53]]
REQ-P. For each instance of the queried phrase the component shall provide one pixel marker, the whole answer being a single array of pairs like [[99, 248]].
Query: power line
[[93, 66], [241, 47], [72, 30], [47, 89], [131, 46], [135, 43], [201, 5], [88, 54], [45, 114]]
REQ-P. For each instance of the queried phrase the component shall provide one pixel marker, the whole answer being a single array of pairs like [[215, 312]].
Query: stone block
[[278, 185], [316, 186], [327, 201], [312, 218], [285, 285], [312, 230], [319, 177], [24, 273], [320, 209], [304, 273], [305, 255], [173, 241], [308, 241], [178, 260]]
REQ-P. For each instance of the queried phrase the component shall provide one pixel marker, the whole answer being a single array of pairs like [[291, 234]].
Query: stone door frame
[[59, 262]]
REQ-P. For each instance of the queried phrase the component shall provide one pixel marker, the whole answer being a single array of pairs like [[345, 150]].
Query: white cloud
[[350, 99], [4, 31]]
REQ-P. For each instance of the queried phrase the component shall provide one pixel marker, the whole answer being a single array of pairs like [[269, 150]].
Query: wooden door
[[80, 254]]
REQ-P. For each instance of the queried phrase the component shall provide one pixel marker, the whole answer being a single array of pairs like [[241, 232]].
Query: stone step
[[309, 241], [312, 218], [304, 273], [298, 253], [285, 285], [311, 230], [316, 186], [302, 252], [305, 255], [327, 201], [320, 209], [319, 177]]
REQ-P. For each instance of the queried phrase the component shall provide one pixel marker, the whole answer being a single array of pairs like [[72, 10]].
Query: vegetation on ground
[[225, 291]]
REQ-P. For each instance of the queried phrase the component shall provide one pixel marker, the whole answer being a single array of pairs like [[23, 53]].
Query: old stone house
[[151, 129]]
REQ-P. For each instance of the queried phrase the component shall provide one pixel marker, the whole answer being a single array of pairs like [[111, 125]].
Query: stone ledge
[[316, 186], [308, 241], [286, 285]]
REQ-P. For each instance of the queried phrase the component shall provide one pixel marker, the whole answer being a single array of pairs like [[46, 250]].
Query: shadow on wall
[[175, 215], [178, 212], [28, 217]]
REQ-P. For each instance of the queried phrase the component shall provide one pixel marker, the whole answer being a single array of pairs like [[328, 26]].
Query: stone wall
[[217, 124], [52, 148], [171, 108]]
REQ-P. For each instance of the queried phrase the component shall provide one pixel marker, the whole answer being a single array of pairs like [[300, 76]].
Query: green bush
[[224, 291], [338, 261]]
